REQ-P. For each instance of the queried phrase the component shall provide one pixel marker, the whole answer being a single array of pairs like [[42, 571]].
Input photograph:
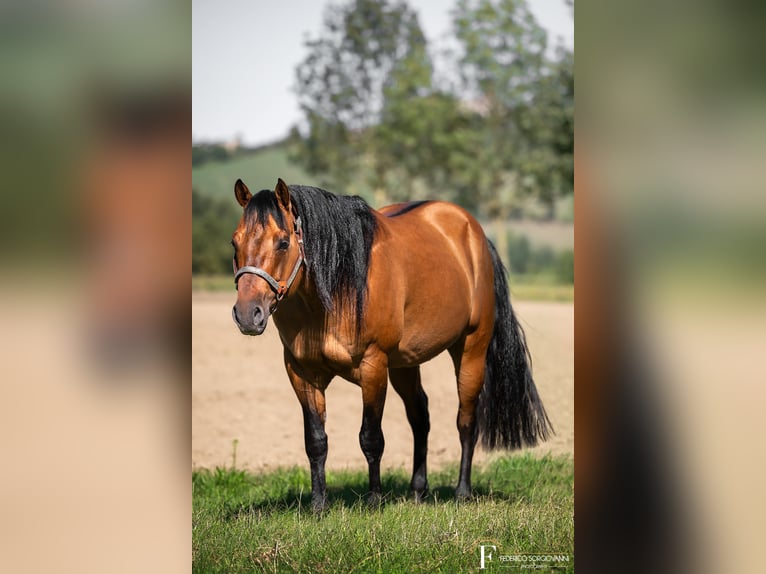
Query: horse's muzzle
[[251, 322]]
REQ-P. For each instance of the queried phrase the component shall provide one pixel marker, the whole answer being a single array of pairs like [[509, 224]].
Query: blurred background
[[669, 322], [95, 219]]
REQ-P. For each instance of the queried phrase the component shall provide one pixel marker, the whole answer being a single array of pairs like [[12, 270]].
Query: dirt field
[[241, 392]]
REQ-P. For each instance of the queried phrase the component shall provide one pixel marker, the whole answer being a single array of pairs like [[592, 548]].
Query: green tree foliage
[[366, 47], [503, 50], [524, 258], [565, 267], [519, 253], [213, 220], [376, 124], [528, 101], [427, 146], [203, 153], [546, 162]]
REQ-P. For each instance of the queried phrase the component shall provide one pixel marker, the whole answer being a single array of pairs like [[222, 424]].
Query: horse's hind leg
[[374, 383], [469, 356], [406, 383]]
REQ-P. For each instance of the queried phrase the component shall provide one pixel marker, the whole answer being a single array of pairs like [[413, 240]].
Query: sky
[[245, 53]]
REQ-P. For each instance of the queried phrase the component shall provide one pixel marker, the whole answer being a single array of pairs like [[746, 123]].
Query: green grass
[[245, 522], [213, 282], [540, 292], [258, 170], [540, 287]]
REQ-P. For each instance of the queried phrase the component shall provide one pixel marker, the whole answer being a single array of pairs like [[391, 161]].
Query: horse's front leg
[[374, 381], [310, 393]]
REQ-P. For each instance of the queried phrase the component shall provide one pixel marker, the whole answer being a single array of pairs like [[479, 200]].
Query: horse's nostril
[[253, 322]]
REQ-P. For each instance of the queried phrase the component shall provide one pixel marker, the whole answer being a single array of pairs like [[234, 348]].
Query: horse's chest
[[328, 353]]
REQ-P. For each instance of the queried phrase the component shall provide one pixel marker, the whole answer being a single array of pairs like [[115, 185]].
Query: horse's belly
[[422, 342]]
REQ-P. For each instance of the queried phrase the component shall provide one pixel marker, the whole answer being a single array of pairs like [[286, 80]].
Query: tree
[[547, 127], [366, 47], [213, 220], [424, 140], [203, 153], [527, 100], [503, 50]]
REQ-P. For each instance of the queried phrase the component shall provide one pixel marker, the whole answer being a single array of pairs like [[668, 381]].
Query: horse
[[369, 295]]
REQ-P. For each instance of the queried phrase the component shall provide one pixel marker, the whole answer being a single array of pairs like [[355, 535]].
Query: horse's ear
[[241, 192], [283, 194]]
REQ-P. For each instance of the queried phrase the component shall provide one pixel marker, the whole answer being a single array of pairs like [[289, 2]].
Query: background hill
[[258, 168]]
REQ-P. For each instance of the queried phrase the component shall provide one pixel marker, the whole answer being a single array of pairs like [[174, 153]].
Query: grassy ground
[[522, 289], [213, 283], [245, 522], [539, 287]]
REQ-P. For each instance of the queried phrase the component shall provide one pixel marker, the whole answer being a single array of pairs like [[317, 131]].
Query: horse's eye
[[283, 245]]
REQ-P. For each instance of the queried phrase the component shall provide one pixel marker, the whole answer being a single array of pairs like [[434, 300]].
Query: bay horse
[[369, 296]]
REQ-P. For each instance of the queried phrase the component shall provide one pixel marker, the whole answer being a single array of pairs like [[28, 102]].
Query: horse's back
[[435, 264], [439, 229]]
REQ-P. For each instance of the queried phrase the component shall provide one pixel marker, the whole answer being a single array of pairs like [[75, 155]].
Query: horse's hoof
[[463, 493], [374, 500], [319, 506], [419, 495]]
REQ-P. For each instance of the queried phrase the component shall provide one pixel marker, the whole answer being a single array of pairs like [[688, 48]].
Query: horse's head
[[268, 254]]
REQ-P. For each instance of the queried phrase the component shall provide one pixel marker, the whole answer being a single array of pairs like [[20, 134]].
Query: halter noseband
[[279, 287]]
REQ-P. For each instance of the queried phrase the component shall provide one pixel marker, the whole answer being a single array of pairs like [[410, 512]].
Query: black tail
[[510, 413]]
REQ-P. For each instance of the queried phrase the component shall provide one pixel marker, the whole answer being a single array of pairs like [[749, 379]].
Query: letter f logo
[[486, 555]]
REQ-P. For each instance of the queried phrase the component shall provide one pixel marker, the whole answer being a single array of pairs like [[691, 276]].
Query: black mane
[[338, 232], [407, 207]]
